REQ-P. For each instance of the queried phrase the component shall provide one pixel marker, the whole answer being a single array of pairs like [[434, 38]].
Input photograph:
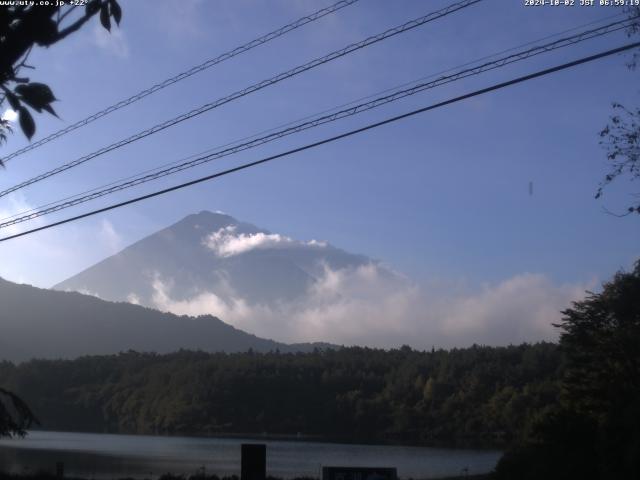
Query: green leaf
[[50, 109], [26, 122], [37, 95], [92, 7], [116, 11], [13, 101], [46, 32], [104, 16]]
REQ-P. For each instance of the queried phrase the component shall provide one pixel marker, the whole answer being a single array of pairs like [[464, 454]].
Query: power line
[[255, 142], [350, 133], [251, 89], [100, 191], [432, 75], [307, 117], [186, 74]]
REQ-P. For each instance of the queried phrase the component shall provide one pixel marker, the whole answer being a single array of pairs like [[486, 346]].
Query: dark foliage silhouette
[[15, 415], [472, 396], [25, 26], [22, 27], [594, 431], [621, 137]]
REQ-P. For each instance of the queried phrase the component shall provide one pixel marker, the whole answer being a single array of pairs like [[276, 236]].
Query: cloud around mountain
[[300, 291], [226, 242], [362, 306]]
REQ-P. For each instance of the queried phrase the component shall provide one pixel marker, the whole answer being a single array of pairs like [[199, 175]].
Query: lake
[[104, 456]]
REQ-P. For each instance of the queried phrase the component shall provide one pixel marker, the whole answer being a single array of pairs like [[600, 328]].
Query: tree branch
[[75, 26]]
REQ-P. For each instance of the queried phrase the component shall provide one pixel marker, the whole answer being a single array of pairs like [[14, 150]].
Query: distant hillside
[[38, 323]]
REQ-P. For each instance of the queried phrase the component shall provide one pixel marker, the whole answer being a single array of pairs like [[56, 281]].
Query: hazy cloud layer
[[367, 306]]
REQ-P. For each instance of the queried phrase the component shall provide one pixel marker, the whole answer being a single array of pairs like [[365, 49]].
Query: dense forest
[[472, 396]]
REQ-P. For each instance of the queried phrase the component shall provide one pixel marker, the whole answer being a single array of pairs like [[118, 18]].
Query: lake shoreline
[[299, 437], [109, 456], [48, 476]]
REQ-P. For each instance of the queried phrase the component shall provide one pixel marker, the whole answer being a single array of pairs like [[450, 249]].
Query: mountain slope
[[48, 324], [211, 252]]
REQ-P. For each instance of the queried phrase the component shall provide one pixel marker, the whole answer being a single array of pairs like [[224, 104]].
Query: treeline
[[473, 396]]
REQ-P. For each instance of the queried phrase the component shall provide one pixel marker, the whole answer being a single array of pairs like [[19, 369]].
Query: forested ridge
[[473, 396]]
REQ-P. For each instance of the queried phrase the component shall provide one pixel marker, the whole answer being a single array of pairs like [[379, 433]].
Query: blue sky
[[442, 197]]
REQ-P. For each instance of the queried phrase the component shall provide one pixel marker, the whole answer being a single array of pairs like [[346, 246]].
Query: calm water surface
[[104, 456]]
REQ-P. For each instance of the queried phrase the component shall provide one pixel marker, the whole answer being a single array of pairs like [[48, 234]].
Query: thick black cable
[[353, 110], [350, 133], [251, 89], [186, 74]]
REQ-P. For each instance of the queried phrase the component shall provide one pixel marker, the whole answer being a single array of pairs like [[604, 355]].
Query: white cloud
[[518, 309], [10, 115], [367, 306], [521, 308], [207, 303], [85, 291], [226, 243], [113, 42], [133, 298], [110, 237]]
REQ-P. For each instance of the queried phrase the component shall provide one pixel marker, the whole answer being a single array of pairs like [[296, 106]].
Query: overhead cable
[[185, 74], [246, 91], [350, 133], [353, 110]]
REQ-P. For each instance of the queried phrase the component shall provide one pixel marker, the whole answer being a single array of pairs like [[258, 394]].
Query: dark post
[[253, 461], [59, 469]]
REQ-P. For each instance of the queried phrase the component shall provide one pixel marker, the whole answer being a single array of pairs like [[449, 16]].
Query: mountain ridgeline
[[39, 323]]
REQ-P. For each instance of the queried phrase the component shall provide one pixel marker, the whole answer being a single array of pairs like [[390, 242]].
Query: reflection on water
[[113, 456]]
